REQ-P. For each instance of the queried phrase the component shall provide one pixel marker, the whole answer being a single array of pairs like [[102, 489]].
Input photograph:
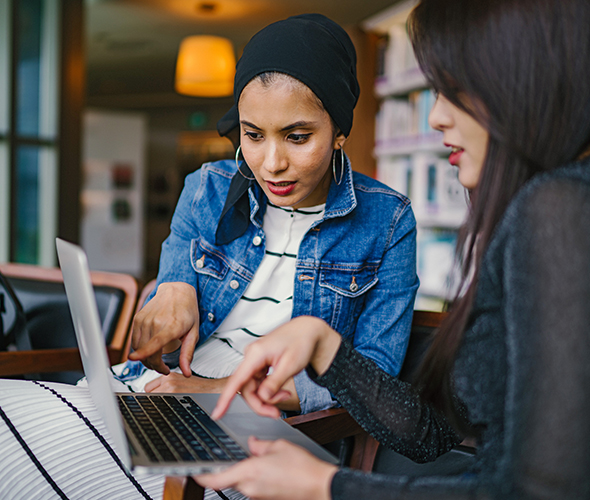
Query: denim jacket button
[[211, 317], [257, 241], [354, 287], [234, 284], [201, 262]]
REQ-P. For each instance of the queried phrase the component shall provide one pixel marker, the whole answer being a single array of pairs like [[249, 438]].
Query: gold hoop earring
[[338, 181], [238, 166]]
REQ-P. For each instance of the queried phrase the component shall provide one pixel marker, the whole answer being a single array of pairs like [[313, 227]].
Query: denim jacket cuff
[[312, 397], [172, 359]]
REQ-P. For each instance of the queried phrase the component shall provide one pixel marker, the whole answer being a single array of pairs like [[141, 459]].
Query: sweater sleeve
[[389, 409]]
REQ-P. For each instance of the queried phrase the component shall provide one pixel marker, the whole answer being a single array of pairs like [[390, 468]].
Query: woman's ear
[[339, 140]]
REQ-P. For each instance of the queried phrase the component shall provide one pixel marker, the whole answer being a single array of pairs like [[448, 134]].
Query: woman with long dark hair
[[509, 366]]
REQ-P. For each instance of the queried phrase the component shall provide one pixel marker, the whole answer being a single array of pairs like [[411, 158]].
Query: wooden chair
[[327, 426], [41, 292]]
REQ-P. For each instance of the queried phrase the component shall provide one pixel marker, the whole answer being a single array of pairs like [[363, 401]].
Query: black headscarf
[[316, 51]]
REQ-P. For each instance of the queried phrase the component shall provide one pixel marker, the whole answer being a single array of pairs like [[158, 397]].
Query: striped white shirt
[[267, 302]]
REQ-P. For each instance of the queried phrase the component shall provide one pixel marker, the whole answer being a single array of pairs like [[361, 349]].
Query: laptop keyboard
[[176, 429]]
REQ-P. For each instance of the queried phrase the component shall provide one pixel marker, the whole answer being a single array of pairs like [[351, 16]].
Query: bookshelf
[[411, 157]]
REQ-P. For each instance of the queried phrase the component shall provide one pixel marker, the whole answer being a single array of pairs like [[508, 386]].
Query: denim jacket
[[356, 267]]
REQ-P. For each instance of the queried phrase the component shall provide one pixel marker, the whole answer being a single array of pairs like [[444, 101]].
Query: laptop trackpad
[[241, 423], [261, 427]]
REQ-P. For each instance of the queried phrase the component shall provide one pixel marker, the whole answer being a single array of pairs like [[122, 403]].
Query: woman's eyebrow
[[299, 124], [248, 124]]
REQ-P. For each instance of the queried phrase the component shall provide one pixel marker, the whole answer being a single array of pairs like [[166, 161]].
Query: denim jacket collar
[[341, 198], [257, 204]]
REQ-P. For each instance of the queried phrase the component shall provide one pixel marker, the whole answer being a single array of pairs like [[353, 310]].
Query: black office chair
[[14, 334], [456, 461], [36, 303]]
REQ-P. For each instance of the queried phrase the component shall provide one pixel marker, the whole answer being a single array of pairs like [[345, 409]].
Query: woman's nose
[[274, 160], [439, 117]]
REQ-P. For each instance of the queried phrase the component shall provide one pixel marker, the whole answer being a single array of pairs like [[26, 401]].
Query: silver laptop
[[161, 433]]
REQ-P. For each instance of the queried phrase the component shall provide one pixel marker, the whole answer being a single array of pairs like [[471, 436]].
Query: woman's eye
[[255, 136], [298, 138]]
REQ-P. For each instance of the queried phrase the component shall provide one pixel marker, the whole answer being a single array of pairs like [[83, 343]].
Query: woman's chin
[[281, 201]]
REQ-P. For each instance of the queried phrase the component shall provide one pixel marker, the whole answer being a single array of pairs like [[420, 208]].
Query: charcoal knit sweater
[[522, 372]]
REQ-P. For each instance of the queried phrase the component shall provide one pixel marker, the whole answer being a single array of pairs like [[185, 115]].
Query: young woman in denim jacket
[[295, 92], [510, 364], [355, 266]]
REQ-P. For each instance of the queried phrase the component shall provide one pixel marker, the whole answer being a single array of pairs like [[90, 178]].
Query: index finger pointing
[[245, 372]]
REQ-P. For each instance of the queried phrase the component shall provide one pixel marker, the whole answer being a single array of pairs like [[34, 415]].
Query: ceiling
[[131, 45]]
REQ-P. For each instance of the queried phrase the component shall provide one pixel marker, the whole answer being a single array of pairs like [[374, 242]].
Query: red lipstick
[[454, 157], [280, 188], [455, 154]]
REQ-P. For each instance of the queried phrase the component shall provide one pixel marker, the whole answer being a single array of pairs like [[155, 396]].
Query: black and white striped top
[[267, 301]]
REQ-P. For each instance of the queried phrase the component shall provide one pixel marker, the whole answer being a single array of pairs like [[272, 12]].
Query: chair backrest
[[42, 295], [13, 329], [423, 325]]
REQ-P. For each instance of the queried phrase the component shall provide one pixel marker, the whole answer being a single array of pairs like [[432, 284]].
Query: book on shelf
[[399, 55], [399, 117], [381, 49], [397, 68], [436, 252], [438, 199], [396, 173], [409, 144]]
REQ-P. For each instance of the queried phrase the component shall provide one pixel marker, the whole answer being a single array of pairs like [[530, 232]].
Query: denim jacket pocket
[[343, 294], [349, 281], [206, 261]]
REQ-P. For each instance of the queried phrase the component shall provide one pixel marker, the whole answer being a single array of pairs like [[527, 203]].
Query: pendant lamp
[[205, 66]]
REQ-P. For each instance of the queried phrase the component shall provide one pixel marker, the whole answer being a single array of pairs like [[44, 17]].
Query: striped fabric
[[54, 446], [268, 301], [227, 494]]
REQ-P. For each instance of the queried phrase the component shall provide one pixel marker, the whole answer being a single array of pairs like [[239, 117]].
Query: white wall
[[112, 231]]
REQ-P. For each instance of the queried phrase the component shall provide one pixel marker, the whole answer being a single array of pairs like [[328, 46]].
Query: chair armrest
[[325, 426], [125, 283], [182, 488], [46, 361]]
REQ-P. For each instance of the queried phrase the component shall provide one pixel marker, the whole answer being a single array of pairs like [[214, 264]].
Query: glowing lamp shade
[[205, 67]]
